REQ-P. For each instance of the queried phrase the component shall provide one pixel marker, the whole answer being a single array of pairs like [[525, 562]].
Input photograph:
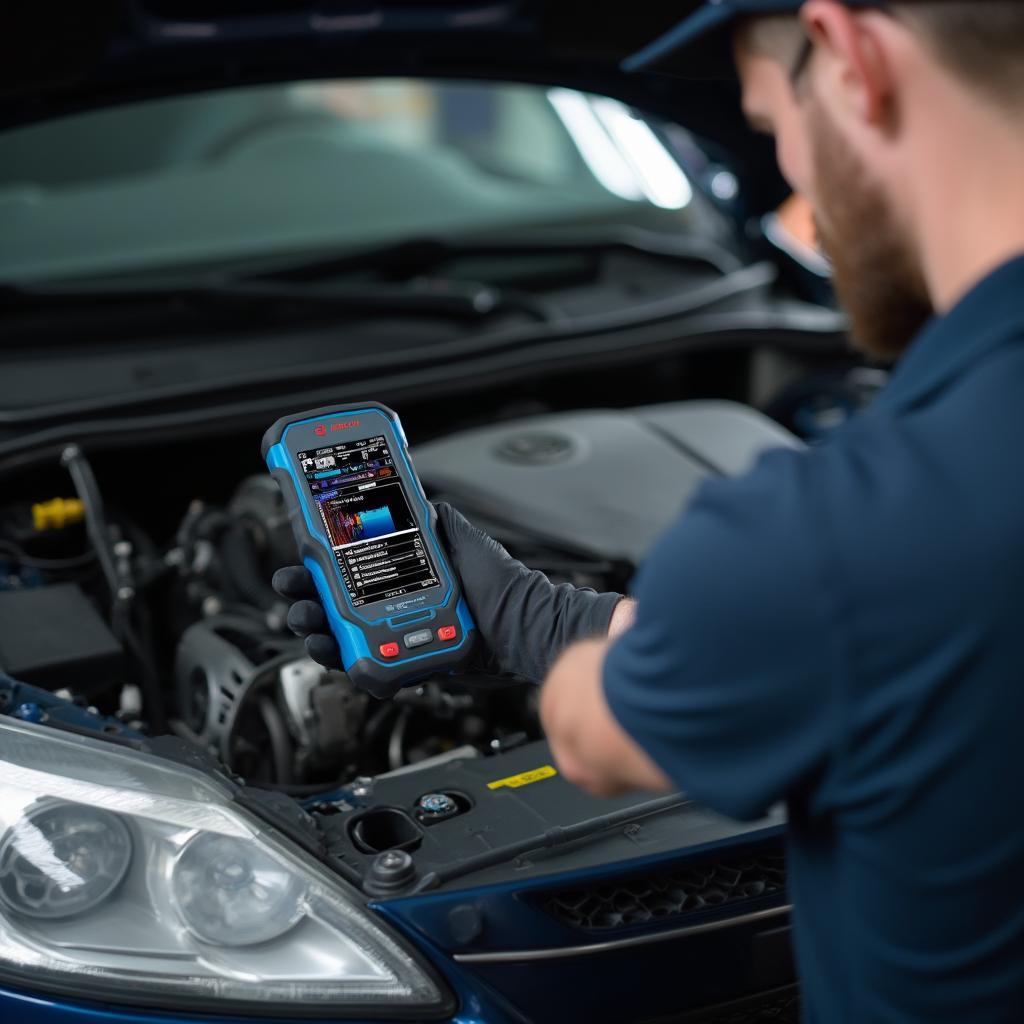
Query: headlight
[[62, 859], [129, 878], [232, 894]]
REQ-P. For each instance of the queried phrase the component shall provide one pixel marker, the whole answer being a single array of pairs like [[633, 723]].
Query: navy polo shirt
[[843, 629]]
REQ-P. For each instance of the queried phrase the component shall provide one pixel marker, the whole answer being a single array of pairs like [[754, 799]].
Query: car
[[572, 284]]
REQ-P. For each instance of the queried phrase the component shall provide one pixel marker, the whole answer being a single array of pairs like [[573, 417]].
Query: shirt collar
[[991, 314]]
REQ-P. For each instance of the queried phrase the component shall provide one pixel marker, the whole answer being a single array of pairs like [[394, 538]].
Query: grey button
[[419, 638]]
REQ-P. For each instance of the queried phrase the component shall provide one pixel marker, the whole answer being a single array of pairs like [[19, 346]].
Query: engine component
[[512, 807], [265, 709], [325, 713], [436, 805], [298, 681], [229, 555], [258, 501], [390, 872], [57, 513], [603, 484], [210, 674], [54, 637], [226, 676], [385, 828]]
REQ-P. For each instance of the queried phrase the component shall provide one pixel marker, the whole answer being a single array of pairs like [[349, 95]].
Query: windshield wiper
[[591, 828], [465, 300], [310, 283], [418, 255]]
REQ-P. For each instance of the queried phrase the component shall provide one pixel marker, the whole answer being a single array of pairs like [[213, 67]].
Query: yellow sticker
[[524, 778]]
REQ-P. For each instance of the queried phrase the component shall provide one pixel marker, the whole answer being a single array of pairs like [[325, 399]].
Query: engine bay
[[174, 640]]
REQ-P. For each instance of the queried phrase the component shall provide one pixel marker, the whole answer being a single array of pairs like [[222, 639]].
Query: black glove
[[524, 620]]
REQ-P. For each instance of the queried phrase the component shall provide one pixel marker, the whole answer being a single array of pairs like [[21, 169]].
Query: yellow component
[[56, 514], [524, 778]]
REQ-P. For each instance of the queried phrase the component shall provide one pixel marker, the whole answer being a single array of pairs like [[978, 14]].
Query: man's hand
[[591, 748], [524, 621]]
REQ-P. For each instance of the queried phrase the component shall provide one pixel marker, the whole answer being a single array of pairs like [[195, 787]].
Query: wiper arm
[[557, 836], [426, 297]]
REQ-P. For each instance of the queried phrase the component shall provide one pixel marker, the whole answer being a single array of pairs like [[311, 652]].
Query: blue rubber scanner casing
[[368, 635]]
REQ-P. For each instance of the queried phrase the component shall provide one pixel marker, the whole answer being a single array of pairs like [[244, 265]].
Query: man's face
[[876, 272]]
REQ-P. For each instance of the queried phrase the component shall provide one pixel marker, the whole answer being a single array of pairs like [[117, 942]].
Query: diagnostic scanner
[[368, 536]]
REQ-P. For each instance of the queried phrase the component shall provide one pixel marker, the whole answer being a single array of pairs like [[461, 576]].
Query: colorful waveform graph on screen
[[374, 522], [347, 527]]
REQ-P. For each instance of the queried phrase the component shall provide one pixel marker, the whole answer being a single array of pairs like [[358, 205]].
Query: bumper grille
[[660, 896], [778, 1009]]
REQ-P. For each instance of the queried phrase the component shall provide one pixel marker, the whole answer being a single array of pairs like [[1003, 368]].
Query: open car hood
[[65, 56]]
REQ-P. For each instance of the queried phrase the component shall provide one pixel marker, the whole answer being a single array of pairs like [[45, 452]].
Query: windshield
[[280, 169]]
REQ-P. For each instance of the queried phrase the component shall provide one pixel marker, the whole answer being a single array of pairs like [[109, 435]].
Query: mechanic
[[842, 628]]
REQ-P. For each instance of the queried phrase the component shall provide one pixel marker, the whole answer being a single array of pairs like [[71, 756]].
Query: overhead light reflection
[[660, 177], [600, 153]]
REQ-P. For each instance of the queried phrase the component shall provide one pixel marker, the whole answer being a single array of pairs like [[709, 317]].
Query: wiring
[[81, 561]]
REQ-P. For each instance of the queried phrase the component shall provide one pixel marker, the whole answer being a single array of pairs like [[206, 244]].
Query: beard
[[875, 272]]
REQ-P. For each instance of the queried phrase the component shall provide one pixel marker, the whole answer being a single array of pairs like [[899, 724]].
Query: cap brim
[[700, 46]]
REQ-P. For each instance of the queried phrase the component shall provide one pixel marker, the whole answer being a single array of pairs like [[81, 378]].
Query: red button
[[446, 633], [389, 650]]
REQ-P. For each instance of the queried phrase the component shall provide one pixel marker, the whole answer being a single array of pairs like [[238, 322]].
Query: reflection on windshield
[[297, 167], [621, 150]]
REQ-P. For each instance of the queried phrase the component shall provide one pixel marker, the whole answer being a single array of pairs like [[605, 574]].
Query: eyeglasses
[[803, 58]]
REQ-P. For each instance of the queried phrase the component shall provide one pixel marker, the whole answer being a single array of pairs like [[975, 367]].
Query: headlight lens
[[127, 877], [232, 894], [62, 859]]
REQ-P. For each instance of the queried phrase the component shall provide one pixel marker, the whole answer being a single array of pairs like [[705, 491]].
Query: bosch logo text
[[321, 428]]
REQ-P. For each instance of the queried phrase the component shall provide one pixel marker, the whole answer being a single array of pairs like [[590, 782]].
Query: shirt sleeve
[[725, 678]]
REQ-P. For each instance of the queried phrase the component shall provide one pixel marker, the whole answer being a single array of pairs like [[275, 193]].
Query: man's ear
[[858, 55]]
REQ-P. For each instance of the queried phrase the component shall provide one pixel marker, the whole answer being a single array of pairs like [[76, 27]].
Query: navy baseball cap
[[700, 46]]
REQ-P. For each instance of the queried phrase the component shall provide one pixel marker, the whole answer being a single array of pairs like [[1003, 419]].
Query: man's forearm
[[590, 747]]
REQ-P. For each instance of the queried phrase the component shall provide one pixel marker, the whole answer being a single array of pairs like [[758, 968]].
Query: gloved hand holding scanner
[[383, 567]]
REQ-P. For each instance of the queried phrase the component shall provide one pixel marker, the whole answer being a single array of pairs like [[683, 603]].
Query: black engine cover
[[603, 482]]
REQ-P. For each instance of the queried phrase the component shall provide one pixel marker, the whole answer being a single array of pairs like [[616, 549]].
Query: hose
[[117, 573], [96, 525], [280, 744]]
